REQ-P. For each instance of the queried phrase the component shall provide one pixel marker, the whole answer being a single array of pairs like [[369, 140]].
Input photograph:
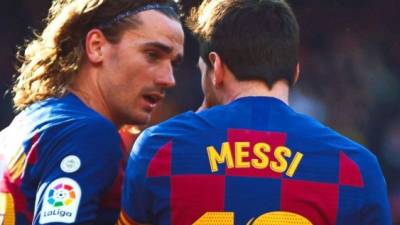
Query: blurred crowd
[[350, 79]]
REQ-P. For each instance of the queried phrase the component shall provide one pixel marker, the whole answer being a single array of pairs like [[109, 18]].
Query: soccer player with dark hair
[[97, 65], [249, 158]]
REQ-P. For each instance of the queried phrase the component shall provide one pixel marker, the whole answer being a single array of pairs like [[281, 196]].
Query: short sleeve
[[376, 209], [77, 164]]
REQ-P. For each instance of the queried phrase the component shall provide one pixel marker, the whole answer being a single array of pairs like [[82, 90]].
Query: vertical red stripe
[[32, 154], [160, 164], [14, 188], [194, 195], [349, 174], [19, 198], [318, 202]]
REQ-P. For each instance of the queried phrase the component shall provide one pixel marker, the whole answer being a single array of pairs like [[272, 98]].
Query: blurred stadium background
[[350, 80]]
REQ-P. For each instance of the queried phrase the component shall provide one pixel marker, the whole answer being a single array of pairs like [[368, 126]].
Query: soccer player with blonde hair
[[97, 65]]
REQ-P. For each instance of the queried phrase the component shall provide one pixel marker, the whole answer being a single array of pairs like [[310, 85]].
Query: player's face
[[139, 68], [207, 86]]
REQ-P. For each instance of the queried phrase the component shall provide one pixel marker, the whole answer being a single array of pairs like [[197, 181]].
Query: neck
[[279, 90], [86, 88]]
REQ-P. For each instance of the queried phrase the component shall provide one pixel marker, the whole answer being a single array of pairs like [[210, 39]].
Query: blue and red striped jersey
[[249, 162], [60, 163]]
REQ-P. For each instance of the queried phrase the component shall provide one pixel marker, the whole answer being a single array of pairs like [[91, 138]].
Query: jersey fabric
[[61, 163], [253, 161]]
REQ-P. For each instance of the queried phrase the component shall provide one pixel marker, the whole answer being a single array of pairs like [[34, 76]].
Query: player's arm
[[78, 166], [376, 209], [136, 196]]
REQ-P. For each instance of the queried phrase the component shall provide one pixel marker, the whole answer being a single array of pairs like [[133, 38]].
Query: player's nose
[[166, 78]]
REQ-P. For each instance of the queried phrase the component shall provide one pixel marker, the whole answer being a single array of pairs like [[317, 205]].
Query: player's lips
[[152, 99]]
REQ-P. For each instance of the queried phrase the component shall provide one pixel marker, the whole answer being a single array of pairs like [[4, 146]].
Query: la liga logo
[[61, 195], [62, 198]]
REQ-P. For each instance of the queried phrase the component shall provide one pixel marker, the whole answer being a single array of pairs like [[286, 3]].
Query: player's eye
[[152, 56]]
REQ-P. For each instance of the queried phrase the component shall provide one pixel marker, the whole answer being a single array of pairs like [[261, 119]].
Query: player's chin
[[142, 118]]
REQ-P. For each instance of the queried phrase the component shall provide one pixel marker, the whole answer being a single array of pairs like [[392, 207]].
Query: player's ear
[[297, 73], [94, 46], [218, 68]]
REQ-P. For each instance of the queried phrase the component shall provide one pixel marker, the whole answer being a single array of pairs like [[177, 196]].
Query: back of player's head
[[256, 39], [50, 60]]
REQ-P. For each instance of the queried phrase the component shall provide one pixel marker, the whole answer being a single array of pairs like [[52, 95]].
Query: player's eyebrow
[[165, 49]]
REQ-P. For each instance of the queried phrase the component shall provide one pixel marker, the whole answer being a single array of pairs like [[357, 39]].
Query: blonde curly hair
[[49, 61]]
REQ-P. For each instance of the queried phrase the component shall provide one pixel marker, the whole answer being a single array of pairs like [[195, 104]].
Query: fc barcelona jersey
[[253, 161], [60, 164]]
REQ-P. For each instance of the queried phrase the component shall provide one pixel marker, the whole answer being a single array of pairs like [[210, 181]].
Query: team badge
[[70, 164], [60, 201]]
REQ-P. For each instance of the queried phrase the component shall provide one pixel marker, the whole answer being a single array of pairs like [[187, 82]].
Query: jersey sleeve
[[77, 165], [376, 209], [136, 196]]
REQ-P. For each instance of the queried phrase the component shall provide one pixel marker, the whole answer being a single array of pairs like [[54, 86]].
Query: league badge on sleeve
[[70, 164], [60, 201]]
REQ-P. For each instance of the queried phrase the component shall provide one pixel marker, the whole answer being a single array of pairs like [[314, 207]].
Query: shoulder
[[357, 152], [307, 131], [99, 128], [178, 128], [186, 124], [182, 123], [81, 127], [68, 116], [65, 126]]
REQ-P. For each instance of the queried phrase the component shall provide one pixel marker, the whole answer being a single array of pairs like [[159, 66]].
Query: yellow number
[[216, 218], [271, 218], [7, 213], [280, 218]]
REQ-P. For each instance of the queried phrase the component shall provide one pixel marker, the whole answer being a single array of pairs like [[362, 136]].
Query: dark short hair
[[256, 39]]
